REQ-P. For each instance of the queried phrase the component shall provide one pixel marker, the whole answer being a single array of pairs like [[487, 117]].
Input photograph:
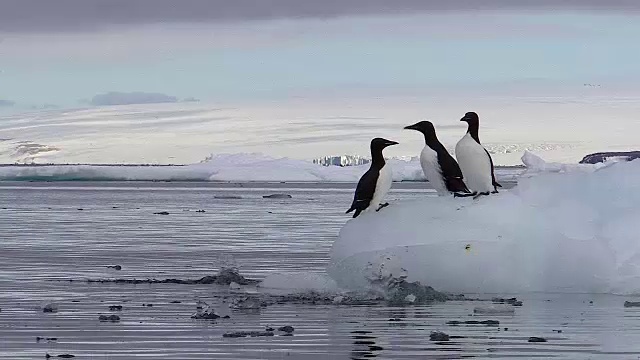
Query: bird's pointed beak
[[410, 127], [391, 142], [464, 119]]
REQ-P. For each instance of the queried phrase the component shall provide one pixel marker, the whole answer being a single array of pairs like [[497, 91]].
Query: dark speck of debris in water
[[175, 302], [632, 304], [200, 211], [287, 329], [80, 209], [537, 339], [147, 305], [115, 267], [49, 308], [277, 196], [558, 331], [115, 307], [474, 322], [438, 336], [161, 213], [111, 318], [239, 334]]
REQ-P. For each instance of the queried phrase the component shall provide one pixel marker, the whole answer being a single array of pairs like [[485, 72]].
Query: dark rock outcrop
[[603, 156], [224, 277]]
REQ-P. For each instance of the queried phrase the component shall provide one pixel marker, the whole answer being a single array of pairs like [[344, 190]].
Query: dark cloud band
[[82, 15]]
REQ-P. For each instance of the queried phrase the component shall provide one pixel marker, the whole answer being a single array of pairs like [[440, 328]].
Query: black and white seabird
[[375, 183], [475, 161], [439, 167]]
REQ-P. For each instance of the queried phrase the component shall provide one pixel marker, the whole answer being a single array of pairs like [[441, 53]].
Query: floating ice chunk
[[574, 231], [338, 299]]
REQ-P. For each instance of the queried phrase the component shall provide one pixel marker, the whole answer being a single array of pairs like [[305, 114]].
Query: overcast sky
[[77, 15], [66, 52]]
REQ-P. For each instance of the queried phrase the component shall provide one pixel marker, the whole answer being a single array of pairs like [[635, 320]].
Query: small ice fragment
[[234, 286], [410, 298], [338, 299]]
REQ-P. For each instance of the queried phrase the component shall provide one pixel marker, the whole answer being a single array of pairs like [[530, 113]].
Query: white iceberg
[[567, 229]]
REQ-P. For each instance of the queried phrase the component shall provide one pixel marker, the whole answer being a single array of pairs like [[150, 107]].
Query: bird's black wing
[[493, 175], [364, 191], [452, 174]]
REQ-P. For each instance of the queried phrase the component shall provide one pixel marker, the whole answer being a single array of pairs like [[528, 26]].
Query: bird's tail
[[457, 185], [353, 207]]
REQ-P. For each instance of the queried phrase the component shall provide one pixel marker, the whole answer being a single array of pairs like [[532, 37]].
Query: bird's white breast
[[475, 164], [383, 184], [432, 171]]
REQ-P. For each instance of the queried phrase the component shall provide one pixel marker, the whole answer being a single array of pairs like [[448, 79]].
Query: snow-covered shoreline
[[223, 167]]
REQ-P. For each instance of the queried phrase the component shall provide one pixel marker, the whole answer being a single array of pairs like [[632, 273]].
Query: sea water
[[54, 236]]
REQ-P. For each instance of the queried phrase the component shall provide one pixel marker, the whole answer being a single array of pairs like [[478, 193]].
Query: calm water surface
[[53, 232]]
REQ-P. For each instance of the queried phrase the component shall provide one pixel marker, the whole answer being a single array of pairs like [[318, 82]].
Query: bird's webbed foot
[[457, 194], [486, 193], [382, 206]]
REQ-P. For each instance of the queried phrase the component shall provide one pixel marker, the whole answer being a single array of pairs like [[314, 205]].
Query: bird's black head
[[471, 118], [378, 144], [425, 127]]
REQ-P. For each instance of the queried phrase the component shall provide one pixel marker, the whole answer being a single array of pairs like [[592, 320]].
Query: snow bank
[[535, 165], [569, 231], [224, 167]]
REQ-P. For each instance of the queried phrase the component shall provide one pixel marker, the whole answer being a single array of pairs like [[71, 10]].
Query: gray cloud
[[122, 98], [6, 103], [80, 15]]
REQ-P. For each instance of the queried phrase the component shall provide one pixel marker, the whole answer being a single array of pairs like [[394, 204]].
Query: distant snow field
[[563, 130]]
